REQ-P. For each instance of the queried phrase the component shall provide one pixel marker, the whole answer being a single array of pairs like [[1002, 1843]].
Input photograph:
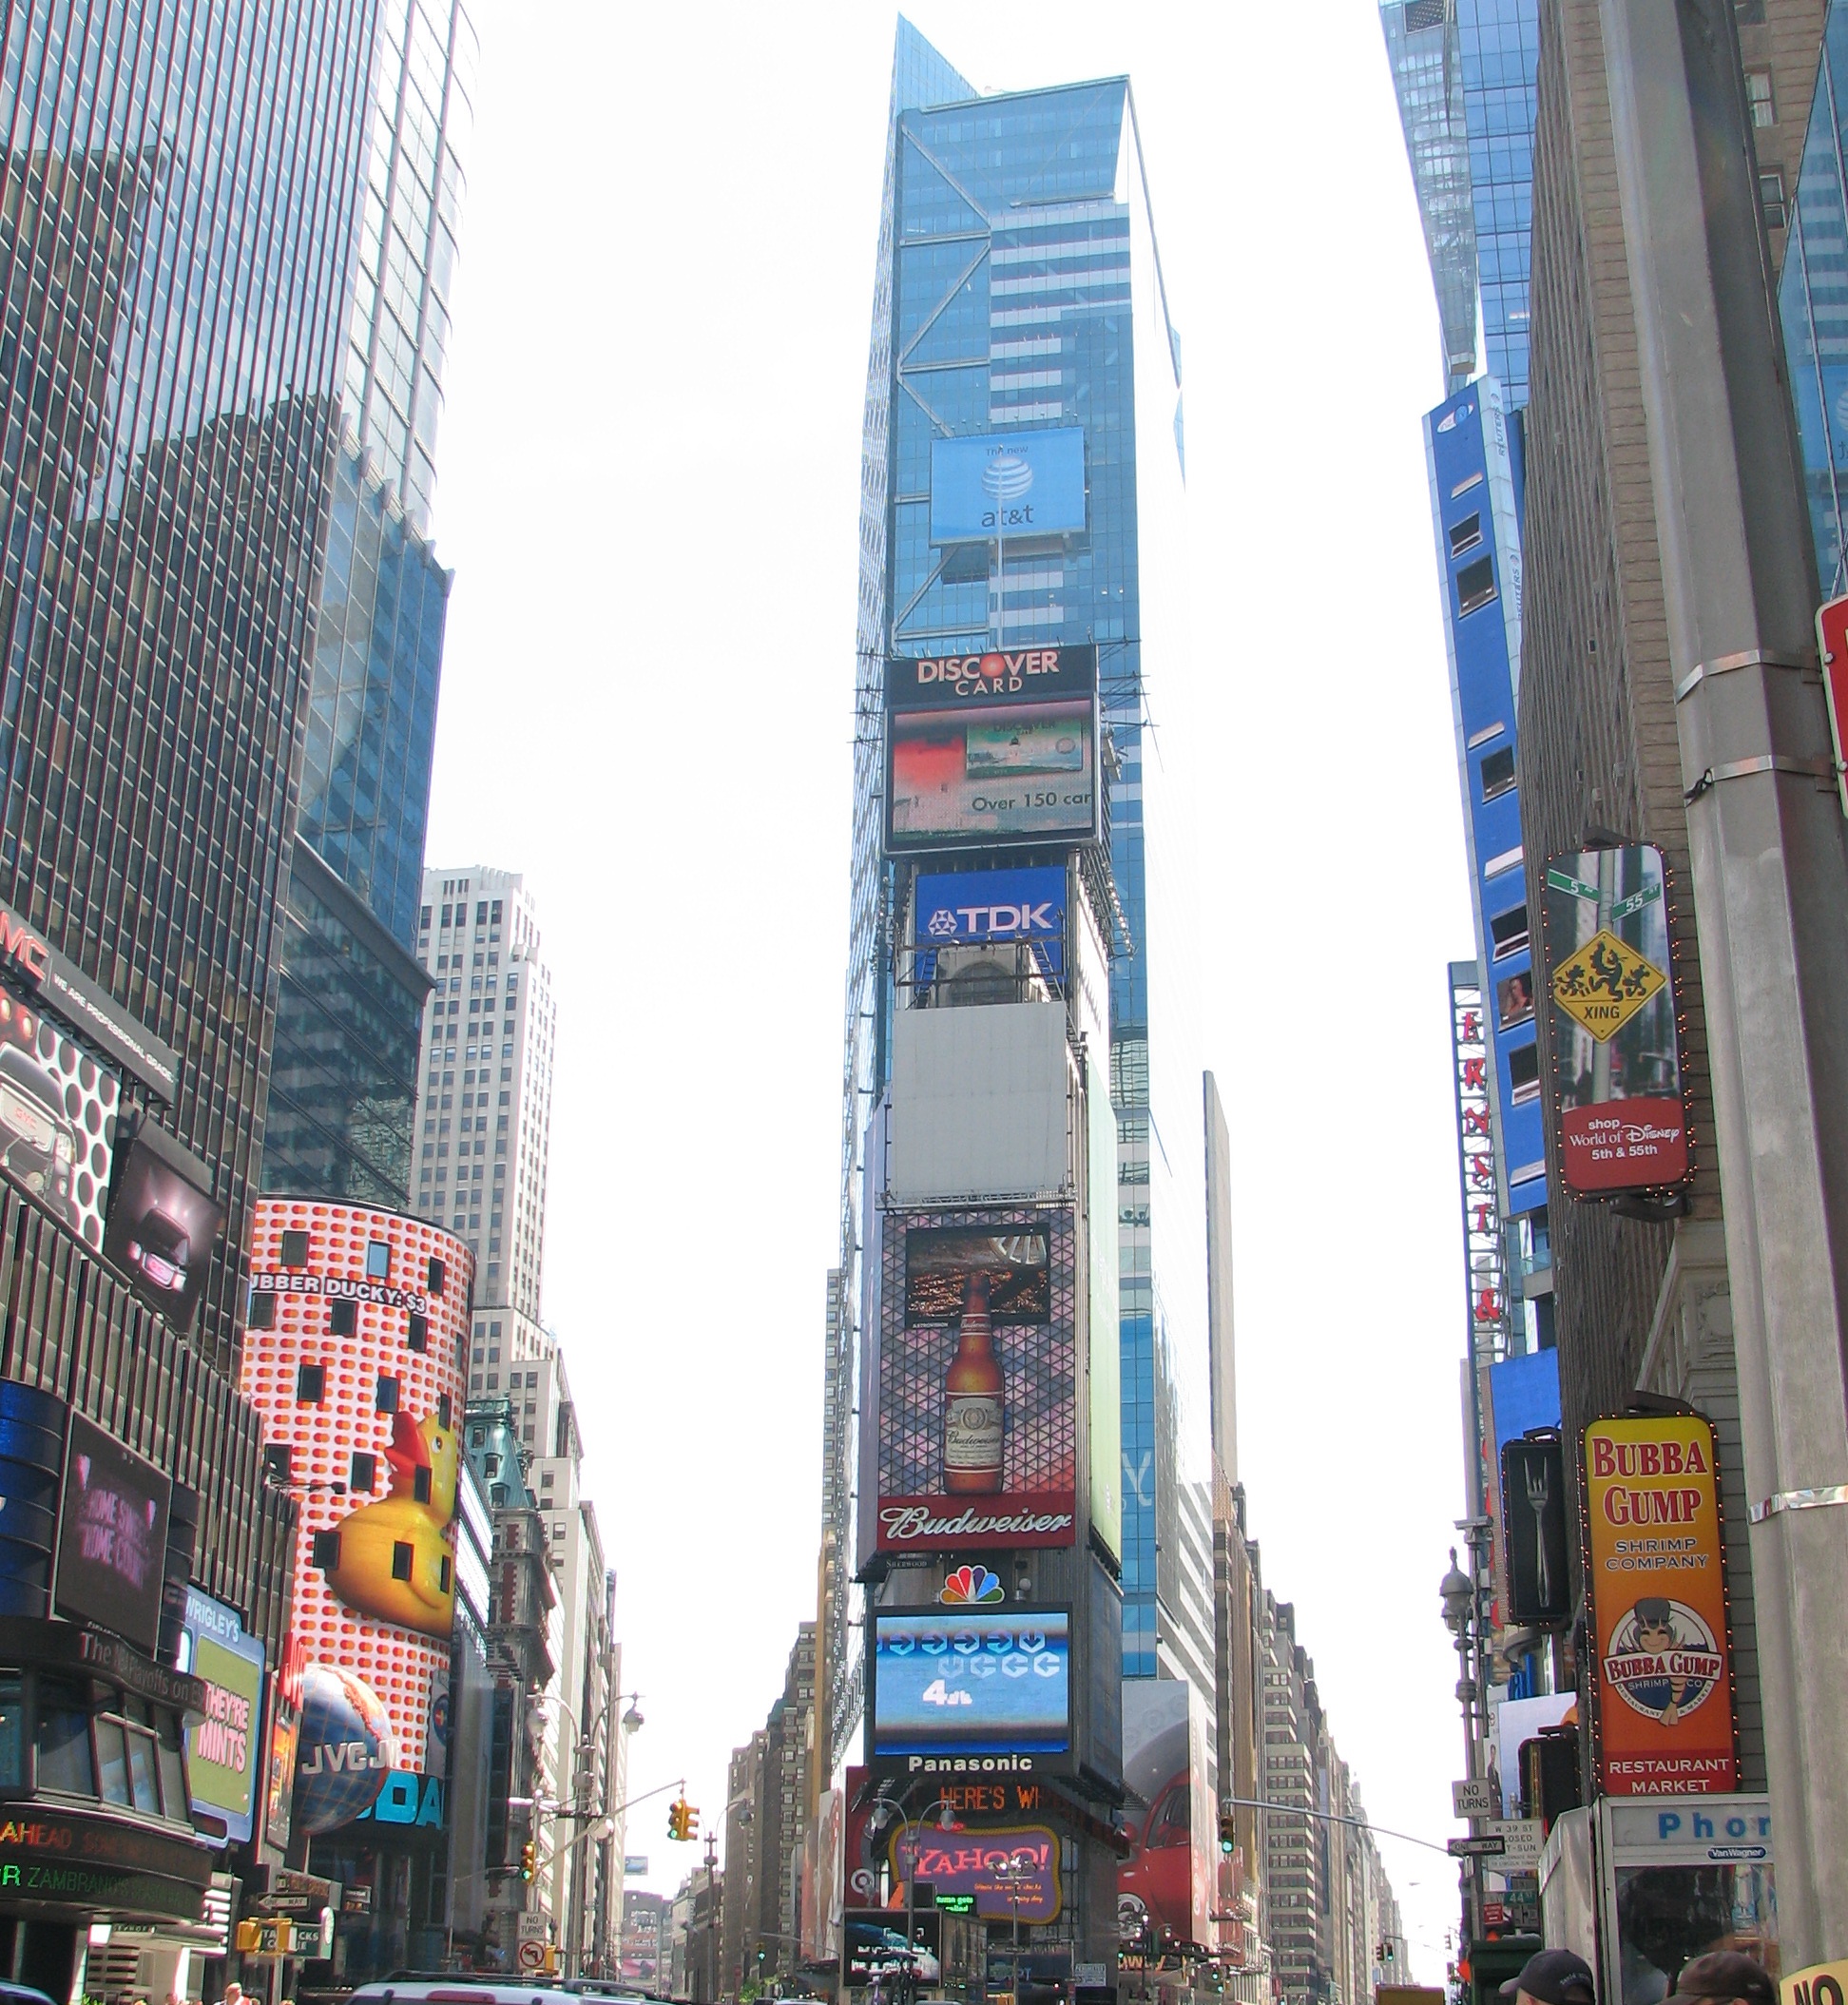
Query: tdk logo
[[993, 922]]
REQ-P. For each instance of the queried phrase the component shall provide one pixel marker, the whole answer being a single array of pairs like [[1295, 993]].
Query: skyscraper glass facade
[[348, 1018], [1500, 44], [1813, 301], [175, 246], [1019, 285], [1464, 72]]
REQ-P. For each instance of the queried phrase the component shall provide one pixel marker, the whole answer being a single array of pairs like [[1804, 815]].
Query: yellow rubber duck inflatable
[[397, 1559]]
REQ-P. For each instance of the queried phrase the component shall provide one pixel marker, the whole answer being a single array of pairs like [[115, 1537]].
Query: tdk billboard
[[1479, 558], [1006, 484]]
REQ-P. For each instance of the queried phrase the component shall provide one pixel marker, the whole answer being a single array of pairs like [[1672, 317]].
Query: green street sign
[[1577, 887], [1635, 903]]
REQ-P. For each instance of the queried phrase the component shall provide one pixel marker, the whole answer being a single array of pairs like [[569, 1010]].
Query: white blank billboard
[[980, 1103]]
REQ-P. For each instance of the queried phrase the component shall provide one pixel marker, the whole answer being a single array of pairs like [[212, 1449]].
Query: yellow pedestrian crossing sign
[[1604, 983]]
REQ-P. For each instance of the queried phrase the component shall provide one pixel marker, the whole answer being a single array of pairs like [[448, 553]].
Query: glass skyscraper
[[1464, 72], [343, 1080], [1019, 285], [176, 240]]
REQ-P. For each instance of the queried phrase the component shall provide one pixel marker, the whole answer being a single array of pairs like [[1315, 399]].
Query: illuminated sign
[[355, 1369], [224, 1745], [163, 1222], [1010, 678], [1623, 1124], [112, 1535], [997, 1872], [39, 968], [981, 906], [57, 1119], [969, 1585], [988, 1691], [974, 1381], [1661, 1652], [1008, 484], [1013, 776]]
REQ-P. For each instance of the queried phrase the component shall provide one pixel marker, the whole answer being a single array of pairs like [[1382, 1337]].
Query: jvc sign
[[983, 905]]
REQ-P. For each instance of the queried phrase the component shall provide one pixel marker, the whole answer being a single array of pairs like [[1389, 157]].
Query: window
[[439, 1276], [481, 913], [385, 1400], [418, 1336], [446, 915], [1498, 773], [295, 1249], [275, 1462], [1466, 534], [378, 1260], [325, 1553], [1524, 1073], [1758, 96], [494, 913], [1771, 199], [1475, 584], [262, 1310], [1425, 14], [362, 1472], [443, 1411], [424, 921], [343, 1318], [532, 1379], [1508, 930], [403, 1553], [311, 1384]]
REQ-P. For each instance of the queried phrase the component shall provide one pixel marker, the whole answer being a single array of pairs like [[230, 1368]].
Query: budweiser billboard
[[973, 1380], [1623, 1122]]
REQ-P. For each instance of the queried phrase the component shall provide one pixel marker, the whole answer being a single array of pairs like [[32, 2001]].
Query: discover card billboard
[[992, 748]]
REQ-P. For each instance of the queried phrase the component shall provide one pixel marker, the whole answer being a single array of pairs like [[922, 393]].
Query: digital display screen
[[962, 1684], [112, 1535], [939, 1260], [163, 1224], [1020, 774], [1006, 484], [57, 1119]]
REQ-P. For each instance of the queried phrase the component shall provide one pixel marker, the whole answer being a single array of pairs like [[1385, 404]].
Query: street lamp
[[1013, 1875], [944, 1818], [1463, 1617]]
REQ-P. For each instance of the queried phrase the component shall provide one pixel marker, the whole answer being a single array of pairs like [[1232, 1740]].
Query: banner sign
[[1662, 1671], [1623, 1124]]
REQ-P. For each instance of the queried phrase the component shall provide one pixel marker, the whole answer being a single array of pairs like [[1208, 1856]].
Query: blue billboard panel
[[958, 1684], [963, 907], [1006, 484]]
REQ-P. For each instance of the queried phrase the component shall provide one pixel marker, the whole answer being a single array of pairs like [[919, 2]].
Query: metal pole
[[1769, 865]]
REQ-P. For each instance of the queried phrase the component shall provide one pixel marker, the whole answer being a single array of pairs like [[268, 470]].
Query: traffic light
[[677, 1822], [1228, 1834], [689, 1823], [529, 1860]]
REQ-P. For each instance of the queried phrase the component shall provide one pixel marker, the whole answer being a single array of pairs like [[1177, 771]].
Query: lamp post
[[944, 1818], [1461, 1595], [1013, 1875], [583, 1744]]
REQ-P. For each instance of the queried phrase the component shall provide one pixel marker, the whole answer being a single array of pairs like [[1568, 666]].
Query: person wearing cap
[[1553, 1976], [1725, 1975]]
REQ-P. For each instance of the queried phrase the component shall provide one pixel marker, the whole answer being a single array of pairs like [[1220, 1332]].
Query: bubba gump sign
[[1656, 1580]]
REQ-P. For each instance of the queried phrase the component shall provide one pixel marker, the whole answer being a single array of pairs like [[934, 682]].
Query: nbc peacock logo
[[969, 1585]]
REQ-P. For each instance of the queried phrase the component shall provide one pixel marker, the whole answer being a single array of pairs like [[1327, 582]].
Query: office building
[[484, 1100], [766, 1831], [162, 483], [1671, 590], [343, 1074], [1062, 307]]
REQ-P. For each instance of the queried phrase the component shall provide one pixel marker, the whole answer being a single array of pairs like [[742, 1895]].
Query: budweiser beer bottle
[[973, 1402]]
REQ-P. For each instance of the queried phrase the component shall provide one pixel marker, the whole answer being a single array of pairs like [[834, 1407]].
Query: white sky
[[649, 494]]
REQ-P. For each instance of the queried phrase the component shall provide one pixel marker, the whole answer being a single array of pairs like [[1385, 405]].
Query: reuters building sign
[[1662, 1665]]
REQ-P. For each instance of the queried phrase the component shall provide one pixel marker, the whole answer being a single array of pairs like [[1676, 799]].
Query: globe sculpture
[[345, 1752]]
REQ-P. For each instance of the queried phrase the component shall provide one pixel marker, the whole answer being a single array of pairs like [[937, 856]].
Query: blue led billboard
[[1470, 466], [962, 1684], [960, 907], [1006, 484]]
